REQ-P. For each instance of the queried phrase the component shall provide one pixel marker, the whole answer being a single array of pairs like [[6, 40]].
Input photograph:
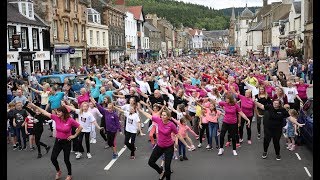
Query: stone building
[[154, 38], [307, 24]]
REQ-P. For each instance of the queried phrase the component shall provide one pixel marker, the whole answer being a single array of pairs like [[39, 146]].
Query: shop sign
[[61, 50], [96, 52], [40, 55], [16, 41], [10, 56]]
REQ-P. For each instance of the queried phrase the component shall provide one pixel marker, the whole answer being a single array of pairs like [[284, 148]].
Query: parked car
[[76, 83], [306, 117]]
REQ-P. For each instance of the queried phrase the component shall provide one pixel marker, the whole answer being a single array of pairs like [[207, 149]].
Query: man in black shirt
[[18, 122]]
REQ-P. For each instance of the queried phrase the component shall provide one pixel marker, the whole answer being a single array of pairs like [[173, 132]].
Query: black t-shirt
[[151, 84], [20, 116], [273, 118], [128, 97], [179, 100], [264, 101], [38, 121], [155, 100]]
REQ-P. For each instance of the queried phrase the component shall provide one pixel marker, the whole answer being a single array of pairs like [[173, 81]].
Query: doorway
[[27, 66]]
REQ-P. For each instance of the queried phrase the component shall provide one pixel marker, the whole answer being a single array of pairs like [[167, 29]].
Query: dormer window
[[30, 9], [93, 16], [26, 9]]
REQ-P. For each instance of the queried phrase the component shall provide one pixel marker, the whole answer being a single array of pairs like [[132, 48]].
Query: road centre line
[[306, 169], [114, 160], [146, 121], [298, 156]]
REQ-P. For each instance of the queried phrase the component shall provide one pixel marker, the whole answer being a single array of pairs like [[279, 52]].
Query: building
[[307, 26], [167, 35], [97, 39], [217, 40], [197, 39], [131, 37], [28, 38], [154, 38], [67, 20]]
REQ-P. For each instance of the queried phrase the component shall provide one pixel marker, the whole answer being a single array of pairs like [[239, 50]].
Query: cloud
[[221, 4]]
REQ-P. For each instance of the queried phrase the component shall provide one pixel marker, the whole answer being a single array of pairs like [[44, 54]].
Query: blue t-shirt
[[95, 92], [55, 100], [195, 81], [98, 81], [110, 94]]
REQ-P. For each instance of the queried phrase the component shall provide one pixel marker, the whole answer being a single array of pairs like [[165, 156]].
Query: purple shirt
[[231, 112], [247, 105], [164, 132], [63, 128]]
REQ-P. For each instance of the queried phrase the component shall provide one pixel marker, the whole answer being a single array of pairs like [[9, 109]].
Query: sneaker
[[199, 145], [76, 153], [217, 147], [39, 156], [185, 158], [218, 134], [181, 158], [238, 145], [249, 142], [48, 149], [79, 155], [94, 141], [259, 136], [20, 148], [193, 148], [264, 155], [24, 148], [220, 151], [175, 157], [235, 153], [293, 147], [208, 146], [91, 141], [132, 157], [14, 147], [58, 175], [289, 146], [89, 156], [142, 125], [68, 177], [240, 140], [228, 144], [114, 156], [278, 157]]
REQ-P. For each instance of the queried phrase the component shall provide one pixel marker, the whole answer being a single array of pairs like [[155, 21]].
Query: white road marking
[[305, 168], [298, 156], [114, 160], [146, 121]]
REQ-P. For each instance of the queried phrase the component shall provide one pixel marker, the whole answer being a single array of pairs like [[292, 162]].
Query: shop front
[[98, 56], [75, 57], [42, 61], [61, 57]]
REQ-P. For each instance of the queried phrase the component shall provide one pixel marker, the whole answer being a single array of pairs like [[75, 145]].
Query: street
[[202, 164]]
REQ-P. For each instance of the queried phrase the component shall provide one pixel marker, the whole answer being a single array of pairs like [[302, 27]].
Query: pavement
[[202, 164]]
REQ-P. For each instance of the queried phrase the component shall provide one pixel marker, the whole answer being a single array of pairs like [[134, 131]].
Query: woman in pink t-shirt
[[64, 124], [165, 144], [83, 97], [302, 89], [230, 121]]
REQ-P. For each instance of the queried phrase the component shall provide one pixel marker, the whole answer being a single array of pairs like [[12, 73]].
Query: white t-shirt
[[132, 122], [291, 93], [85, 120], [192, 105]]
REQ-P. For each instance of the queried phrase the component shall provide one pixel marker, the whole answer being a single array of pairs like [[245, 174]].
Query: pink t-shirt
[[302, 90], [269, 90], [164, 132], [235, 86], [247, 105], [231, 112], [83, 98], [212, 116], [63, 129]]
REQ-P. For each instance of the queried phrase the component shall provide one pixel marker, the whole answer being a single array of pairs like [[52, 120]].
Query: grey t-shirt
[[22, 99]]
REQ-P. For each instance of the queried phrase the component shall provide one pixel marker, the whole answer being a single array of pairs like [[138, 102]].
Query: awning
[[9, 66], [275, 48]]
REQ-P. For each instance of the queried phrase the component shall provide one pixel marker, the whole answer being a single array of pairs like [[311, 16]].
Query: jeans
[[275, 135], [156, 154], [182, 149], [131, 145], [87, 136], [248, 128], [213, 128], [59, 145], [232, 130], [24, 136]]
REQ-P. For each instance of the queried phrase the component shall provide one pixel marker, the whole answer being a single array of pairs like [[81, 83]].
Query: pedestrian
[[97, 115], [29, 131], [63, 137], [293, 126], [19, 123]]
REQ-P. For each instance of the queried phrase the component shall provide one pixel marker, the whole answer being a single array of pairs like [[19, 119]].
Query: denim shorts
[[12, 131]]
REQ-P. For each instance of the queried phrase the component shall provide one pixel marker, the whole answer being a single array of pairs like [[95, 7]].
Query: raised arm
[[44, 112], [259, 105], [147, 115]]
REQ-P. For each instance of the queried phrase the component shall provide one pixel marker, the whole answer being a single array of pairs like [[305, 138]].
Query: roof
[[193, 31], [215, 34], [247, 13], [262, 11], [257, 27], [136, 11], [297, 7], [98, 5], [14, 16], [233, 17], [150, 27]]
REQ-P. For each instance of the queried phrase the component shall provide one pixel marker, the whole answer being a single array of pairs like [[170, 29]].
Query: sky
[[221, 4]]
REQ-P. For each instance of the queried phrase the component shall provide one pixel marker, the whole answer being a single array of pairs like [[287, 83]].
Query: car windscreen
[[50, 80]]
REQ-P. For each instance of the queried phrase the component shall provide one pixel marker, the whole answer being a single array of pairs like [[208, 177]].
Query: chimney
[[120, 2], [265, 3]]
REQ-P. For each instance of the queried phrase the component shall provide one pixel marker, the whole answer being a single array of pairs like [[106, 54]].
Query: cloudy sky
[[221, 4]]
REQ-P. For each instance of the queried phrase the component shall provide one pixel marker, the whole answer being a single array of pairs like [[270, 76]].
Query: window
[[54, 3], [75, 31], [103, 38], [67, 5], [24, 8], [91, 37], [98, 38], [35, 39], [24, 38], [11, 31], [66, 30], [55, 29], [83, 32], [75, 5], [30, 9]]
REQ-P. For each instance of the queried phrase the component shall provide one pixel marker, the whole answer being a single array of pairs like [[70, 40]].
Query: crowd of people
[[207, 96]]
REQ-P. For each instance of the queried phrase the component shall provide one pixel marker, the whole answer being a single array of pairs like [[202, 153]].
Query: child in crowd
[[292, 129]]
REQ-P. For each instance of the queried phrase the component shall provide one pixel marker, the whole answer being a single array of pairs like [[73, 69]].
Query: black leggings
[[259, 119], [243, 122], [155, 155], [75, 141], [37, 135], [111, 136], [131, 145], [205, 127], [232, 130], [87, 137], [275, 135], [103, 135], [65, 145]]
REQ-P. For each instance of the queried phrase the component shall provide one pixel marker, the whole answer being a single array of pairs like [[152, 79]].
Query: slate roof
[[247, 13], [150, 27], [257, 27], [14, 16], [215, 33]]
